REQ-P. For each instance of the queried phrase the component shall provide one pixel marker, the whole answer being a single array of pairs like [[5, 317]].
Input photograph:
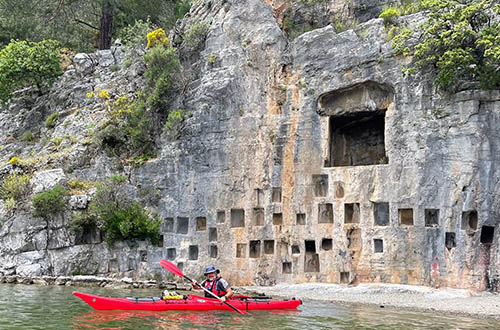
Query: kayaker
[[215, 284]]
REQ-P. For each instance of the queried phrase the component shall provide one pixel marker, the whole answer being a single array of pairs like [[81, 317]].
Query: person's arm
[[229, 294], [196, 285]]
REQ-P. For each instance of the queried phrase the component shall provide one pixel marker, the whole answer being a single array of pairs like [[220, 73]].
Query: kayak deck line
[[191, 302]]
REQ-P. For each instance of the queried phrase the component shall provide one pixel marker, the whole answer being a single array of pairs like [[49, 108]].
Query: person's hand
[[223, 298], [195, 284]]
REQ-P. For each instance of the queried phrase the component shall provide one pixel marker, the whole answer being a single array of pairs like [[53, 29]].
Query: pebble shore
[[408, 297]]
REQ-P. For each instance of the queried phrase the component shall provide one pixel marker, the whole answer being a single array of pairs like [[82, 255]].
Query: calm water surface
[[52, 307]]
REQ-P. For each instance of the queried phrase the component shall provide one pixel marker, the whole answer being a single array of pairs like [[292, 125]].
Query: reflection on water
[[49, 307]]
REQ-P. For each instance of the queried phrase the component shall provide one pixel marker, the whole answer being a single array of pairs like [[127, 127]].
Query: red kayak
[[191, 302]]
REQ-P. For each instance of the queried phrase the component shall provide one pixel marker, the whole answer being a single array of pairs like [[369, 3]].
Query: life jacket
[[212, 286]]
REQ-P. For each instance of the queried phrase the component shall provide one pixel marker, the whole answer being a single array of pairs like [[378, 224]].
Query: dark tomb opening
[[320, 183], [269, 246], [325, 213], [431, 217], [212, 234], [381, 214], [212, 249], [193, 252], [487, 234], [221, 216], [469, 220], [357, 139], [258, 216], [171, 254], [351, 213], [237, 218], [277, 218], [287, 268], [241, 250], [160, 242], [301, 219], [295, 249], [344, 277], [201, 223], [276, 195], [378, 245], [143, 255], [168, 225], [254, 249], [326, 244], [180, 265], [310, 246], [182, 225], [450, 240], [406, 217]]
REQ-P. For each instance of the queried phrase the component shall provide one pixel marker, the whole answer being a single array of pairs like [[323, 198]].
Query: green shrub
[[195, 36], [162, 63], [77, 187], [15, 187], [28, 137], [51, 120], [115, 68], [49, 202], [459, 39], [24, 63], [122, 219], [174, 123], [139, 160], [135, 35], [212, 58]]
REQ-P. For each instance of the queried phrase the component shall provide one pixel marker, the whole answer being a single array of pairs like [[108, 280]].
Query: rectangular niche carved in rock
[[276, 195], [381, 214], [344, 277], [311, 262], [221, 216], [212, 249], [431, 217], [241, 250], [269, 246], [287, 268], [201, 223], [182, 225], [450, 240], [277, 219], [212, 234], [171, 254], [469, 220], [301, 219], [160, 242], [338, 188], [193, 252], [378, 245], [405, 217], [168, 225], [258, 216], [320, 184], [295, 249], [180, 265], [259, 197], [237, 218], [357, 139], [351, 213], [487, 234], [325, 213], [326, 244], [254, 249], [310, 246]]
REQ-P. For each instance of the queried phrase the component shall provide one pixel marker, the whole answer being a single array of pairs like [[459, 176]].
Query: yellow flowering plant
[[157, 37]]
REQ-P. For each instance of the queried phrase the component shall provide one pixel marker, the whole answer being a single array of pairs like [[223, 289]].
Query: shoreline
[[462, 302]]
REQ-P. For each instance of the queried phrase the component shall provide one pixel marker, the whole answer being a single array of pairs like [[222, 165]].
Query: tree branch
[[86, 24]]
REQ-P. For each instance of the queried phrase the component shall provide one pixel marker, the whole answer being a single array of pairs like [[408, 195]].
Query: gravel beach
[[408, 297]]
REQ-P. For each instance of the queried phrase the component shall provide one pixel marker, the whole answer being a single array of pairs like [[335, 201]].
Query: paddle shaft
[[215, 296]]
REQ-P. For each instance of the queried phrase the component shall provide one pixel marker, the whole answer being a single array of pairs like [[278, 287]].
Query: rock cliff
[[308, 157]]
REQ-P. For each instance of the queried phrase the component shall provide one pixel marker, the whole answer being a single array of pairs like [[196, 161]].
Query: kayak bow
[[192, 302]]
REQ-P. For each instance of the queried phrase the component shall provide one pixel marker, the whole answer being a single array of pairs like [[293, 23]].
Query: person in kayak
[[214, 283]]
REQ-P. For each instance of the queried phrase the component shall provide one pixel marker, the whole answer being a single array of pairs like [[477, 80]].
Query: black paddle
[[174, 269]]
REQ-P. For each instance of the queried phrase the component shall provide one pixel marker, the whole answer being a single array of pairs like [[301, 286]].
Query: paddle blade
[[171, 267]]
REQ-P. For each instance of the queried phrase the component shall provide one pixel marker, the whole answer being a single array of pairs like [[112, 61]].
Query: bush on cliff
[[25, 63], [49, 202], [13, 189], [459, 39], [120, 218]]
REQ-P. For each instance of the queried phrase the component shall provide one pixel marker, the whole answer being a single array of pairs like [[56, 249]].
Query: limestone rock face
[[305, 159]]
